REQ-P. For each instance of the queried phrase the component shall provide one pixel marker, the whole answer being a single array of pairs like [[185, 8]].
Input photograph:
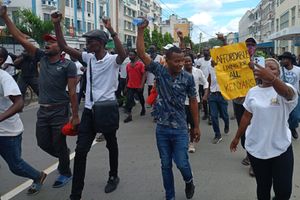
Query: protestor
[[11, 129], [136, 77], [291, 74], [268, 138], [53, 113], [29, 73], [199, 79], [101, 112], [173, 85]]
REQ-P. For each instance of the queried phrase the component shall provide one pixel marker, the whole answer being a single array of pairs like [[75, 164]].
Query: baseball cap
[[168, 46], [97, 34], [49, 37], [251, 39]]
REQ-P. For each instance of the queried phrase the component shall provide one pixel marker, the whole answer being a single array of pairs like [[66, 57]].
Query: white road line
[[14, 192]]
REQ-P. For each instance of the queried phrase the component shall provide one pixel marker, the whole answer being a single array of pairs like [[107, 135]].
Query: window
[[79, 26], [79, 4], [67, 3], [277, 25], [284, 20], [71, 3], [92, 8], [67, 22], [88, 7], [89, 26], [101, 11], [47, 17], [293, 20]]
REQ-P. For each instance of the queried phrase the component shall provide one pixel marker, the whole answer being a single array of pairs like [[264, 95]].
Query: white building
[[287, 26]]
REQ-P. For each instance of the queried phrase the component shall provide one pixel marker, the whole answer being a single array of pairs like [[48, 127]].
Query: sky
[[209, 16]]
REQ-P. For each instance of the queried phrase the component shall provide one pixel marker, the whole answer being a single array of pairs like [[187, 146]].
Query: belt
[[52, 106], [215, 93]]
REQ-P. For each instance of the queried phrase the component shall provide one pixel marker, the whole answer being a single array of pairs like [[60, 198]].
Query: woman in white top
[[268, 138]]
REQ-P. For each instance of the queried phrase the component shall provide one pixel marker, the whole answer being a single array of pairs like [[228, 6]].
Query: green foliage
[[33, 26], [260, 53], [155, 39], [167, 38], [147, 38]]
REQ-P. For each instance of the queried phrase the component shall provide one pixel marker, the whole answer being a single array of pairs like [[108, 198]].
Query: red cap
[[68, 130], [49, 37]]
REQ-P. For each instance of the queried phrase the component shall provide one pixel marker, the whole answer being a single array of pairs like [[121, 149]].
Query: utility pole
[[200, 38]]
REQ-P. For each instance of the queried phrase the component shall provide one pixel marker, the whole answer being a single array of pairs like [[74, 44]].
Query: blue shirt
[[169, 109]]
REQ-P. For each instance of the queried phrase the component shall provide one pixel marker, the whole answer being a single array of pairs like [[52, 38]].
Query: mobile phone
[[260, 61]]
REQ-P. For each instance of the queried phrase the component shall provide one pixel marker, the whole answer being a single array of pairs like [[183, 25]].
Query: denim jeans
[[172, 144], [10, 151], [218, 105], [294, 117], [85, 139]]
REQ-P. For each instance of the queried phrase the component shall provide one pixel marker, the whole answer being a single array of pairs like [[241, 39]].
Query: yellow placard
[[234, 76]]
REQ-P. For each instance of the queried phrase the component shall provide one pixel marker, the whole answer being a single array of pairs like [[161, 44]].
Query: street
[[218, 173]]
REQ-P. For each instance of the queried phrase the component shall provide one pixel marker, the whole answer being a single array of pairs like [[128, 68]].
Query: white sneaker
[[192, 148]]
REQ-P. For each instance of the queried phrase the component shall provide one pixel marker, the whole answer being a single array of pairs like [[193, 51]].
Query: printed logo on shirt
[[58, 68], [290, 77], [275, 101]]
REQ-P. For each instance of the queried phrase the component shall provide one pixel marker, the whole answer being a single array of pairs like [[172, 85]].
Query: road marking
[[14, 192]]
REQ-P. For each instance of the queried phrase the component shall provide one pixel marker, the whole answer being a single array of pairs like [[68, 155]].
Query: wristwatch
[[114, 34]]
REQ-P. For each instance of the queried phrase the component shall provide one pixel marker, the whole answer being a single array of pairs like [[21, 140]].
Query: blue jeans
[[218, 105], [172, 144], [10, 151], [294, 117]]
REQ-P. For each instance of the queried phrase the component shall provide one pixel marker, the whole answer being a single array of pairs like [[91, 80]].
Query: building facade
[[287, 26]]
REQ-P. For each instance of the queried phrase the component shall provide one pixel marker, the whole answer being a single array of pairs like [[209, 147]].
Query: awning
[[265, 45], [289, 33]]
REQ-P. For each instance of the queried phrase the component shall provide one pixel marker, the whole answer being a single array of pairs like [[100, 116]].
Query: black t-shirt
[[53, 79]]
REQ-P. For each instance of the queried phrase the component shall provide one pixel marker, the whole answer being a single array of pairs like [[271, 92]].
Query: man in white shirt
[[11, 129], [102, 83], [199, 79], [218, 106], [205, 63], [9, 67], [291, 74]]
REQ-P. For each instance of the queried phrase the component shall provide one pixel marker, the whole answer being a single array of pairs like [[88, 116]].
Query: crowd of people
[[180, 85]]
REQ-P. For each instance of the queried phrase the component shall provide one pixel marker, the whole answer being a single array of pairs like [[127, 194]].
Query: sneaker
[[37, 185], [143, 112], [251, 172], [112, 184], [209, 121], [128, 119], [246, 161], [189, 190], [205, 117], [226, 129], [192, 148], [294, 134], [100, 138], [217, 140], [61, 181]]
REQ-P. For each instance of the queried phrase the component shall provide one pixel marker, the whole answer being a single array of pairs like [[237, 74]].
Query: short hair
[[172, 50], [188, 55], [3, 53]]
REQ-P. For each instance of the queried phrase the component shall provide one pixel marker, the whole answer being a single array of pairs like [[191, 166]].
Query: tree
[[161, 41], [155, 39], [32, 25], [147, 38], [167, 39]]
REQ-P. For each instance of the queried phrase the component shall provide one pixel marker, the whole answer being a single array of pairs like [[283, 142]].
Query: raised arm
[[118, 44], [56, 19], [16, 33], [140, 44], [181, 40]]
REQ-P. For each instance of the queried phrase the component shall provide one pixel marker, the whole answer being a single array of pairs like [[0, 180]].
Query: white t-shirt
[[12, 126], [123, 72], [150, 76], [268, 134], [291, 76], [105, 77], [199, 79], [204, 66], [10, 69], [214, 86], [79, 73]]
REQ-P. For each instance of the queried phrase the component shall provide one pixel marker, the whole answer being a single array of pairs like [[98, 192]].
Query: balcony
[[49, 4], [145, 7]]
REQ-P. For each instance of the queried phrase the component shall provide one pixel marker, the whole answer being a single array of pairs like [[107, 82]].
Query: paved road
[[218, 173]]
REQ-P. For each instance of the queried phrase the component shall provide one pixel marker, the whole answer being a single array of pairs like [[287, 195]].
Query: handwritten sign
[[234, 76]]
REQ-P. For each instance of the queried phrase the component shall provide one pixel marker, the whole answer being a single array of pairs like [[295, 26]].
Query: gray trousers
[[49, 137]]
